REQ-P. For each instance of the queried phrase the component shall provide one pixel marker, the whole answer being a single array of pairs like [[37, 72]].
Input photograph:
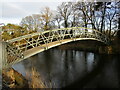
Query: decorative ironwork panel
[[13, 53]]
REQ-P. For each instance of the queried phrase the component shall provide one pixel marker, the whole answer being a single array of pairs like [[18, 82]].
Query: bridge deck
[[44, 47], [41, 48]]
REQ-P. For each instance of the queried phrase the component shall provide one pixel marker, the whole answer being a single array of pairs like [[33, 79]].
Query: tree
[[91, 15], [101, 7], [75, 16], [31, 22], [110, 15], [82, 6], [12, 31], [64, 11], [58, 19], [42, 21], [46, 18]]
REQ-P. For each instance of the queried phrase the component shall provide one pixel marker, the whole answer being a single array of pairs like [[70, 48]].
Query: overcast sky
[[12, 11]]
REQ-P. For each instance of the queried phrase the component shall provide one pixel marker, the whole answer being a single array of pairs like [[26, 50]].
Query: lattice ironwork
[[13, 53], [17, 46]]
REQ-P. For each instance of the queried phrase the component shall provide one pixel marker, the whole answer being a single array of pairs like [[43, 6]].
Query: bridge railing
[[16, 46], [36, 39]]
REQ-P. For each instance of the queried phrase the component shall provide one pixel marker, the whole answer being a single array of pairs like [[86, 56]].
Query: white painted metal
[[18, 46]]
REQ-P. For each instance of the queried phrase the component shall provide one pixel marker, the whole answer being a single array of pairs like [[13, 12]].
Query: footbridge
[[20, 48]]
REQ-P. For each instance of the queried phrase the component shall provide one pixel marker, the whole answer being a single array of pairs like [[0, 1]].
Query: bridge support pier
[[3, 55]]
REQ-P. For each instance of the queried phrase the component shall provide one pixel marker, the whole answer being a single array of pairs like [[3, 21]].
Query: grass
[[35, 80]]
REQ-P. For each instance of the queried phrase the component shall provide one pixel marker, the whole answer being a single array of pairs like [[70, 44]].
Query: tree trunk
[[103, 17], [66, 25], [73, 23], [119, 23], [110, 29], [93, 26], [46, 26], [58, 25], [85, 25]]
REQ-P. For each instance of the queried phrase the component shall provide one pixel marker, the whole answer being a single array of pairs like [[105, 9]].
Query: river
[[72, 68]]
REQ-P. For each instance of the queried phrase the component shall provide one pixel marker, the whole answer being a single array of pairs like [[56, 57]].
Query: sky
[[12, 11]]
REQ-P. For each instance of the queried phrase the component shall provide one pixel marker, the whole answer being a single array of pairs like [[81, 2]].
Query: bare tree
[[110, 14], [31, 22], [64, 11], [84, 9], [75, 16], [27, 22], [58, 19], [41, 21]]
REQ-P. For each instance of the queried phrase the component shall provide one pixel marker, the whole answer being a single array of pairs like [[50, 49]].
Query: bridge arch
[[20, 48]]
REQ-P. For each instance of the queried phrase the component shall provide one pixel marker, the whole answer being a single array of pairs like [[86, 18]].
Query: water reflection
[[59, 66], [90, 61], [0, 82]]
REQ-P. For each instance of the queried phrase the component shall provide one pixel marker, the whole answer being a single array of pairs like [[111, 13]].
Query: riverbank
[[13, 79], [85, 45], [94, 46]]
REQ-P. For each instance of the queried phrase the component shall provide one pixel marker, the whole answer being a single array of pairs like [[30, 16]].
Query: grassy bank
[[32, 80], [13, 79]]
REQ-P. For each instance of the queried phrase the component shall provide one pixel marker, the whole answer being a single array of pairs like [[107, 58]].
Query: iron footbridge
[[20, 48]]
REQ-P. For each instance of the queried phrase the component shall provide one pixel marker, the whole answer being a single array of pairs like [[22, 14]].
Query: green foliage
[[12, 31], [6, 36]]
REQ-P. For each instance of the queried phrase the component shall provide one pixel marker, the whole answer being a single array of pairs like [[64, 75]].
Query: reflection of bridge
[[20, 48]]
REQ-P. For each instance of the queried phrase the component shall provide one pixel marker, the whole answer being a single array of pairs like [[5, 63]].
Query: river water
[[71, 68]]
